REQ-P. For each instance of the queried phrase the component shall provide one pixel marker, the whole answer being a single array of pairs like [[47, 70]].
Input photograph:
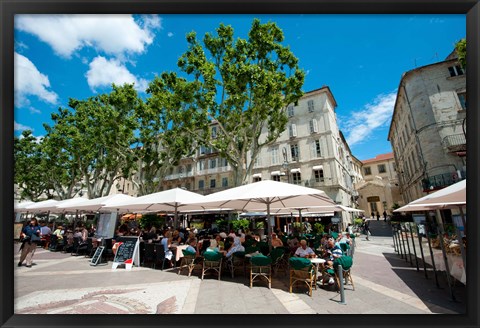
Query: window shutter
[[294, 130], [315, 126], [313, 150]]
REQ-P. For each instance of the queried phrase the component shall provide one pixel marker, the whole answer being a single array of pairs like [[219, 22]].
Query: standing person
[[367, 229], [31, 237], [372, 215], [385, 216], [378, 216], [45, 232]]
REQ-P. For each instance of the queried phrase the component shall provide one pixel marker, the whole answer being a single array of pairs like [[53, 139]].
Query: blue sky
[[360, 57]]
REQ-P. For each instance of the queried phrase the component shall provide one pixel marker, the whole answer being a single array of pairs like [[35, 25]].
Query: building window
[[456, 71], [382, 168], [274, 151], [214, 132], [290, 111], [313, 126], [188, 186], [318, 149], [213, 163], [296, 177], [367, 170], [462, 97], [189, 168], [294, 152], [257, 179], [276, 178], [213, 183], [224, 182], [201, 184], [394, 167], [292, 130], [319, 175], [310, 106]]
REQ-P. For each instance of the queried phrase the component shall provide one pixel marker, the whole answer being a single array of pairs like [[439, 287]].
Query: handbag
[[35, 238]]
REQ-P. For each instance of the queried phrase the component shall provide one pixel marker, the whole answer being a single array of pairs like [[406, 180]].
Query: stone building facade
[[380, 189], [427, 131]]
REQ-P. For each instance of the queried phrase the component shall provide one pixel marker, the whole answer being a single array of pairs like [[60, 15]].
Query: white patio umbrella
[[21, 207], [43, 206], [97, 204], [173, 200], [60, 206], [265, 194], [449, 197]]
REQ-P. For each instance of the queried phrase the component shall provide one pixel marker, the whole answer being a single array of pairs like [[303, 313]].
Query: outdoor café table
[[317, 261], [179, 253]]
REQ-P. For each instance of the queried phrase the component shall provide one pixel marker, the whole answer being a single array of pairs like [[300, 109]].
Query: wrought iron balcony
[[440, 181], [455, 142]]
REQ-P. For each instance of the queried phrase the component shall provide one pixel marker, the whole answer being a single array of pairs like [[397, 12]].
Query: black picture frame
[[11, 7]]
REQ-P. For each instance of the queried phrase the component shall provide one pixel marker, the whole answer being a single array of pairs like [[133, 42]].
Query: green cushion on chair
[[239, 254], [260, 260], [352, 236], [251, 249], [345, 261], [344, 247], [334, 235], [277, 252], [330, 271], [188, 253], [299, 263], [212, 256]]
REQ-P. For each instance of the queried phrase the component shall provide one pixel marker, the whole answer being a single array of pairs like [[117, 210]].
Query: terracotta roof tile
[[381, 157]]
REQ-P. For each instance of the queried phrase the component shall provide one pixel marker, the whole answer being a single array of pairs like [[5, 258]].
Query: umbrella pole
[[302, 228], [175, 220], [269, 228]]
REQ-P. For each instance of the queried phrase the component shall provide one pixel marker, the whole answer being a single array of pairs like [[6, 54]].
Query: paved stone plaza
[[384, 284]]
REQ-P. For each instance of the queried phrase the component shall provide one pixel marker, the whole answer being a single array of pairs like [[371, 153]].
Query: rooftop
[[378, 158]]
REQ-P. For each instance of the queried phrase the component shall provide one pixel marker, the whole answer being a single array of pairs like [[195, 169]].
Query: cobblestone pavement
[[384, 283]]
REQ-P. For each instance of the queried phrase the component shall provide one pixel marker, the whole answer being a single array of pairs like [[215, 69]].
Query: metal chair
[[149, 254], [237, 260]]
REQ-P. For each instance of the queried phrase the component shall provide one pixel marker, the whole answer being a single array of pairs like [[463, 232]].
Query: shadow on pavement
[[437, 299]]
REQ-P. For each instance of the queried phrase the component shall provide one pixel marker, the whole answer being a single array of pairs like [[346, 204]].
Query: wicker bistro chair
[[346, 262], [189, 261], [235, 262], [212, 261], [260, 266], [149, 254], [302, 270], [278, 259]]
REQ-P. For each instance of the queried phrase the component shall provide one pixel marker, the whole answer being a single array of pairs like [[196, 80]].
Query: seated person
[[192, 246], [236, 247], [304, 250], [59, 232], [332, 252], [276, 242], [293, 243]]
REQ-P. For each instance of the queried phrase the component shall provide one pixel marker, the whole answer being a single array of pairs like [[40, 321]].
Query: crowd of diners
[[325, 245]]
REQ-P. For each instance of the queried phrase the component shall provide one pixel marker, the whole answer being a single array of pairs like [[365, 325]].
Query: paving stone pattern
[[384, 284]]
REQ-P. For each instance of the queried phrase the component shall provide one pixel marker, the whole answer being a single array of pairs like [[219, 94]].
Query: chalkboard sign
[[127, 250], [97, 256]]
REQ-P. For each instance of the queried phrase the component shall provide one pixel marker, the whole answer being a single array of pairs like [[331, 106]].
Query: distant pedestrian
[[378, 216], [372, 215], [385, 216], [366, 229]]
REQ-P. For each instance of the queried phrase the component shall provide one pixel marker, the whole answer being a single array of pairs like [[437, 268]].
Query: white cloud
[[33, 110], [111, 34], [20, 127], [103, 72], [362, 124], [30, 82], [169, 34]]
